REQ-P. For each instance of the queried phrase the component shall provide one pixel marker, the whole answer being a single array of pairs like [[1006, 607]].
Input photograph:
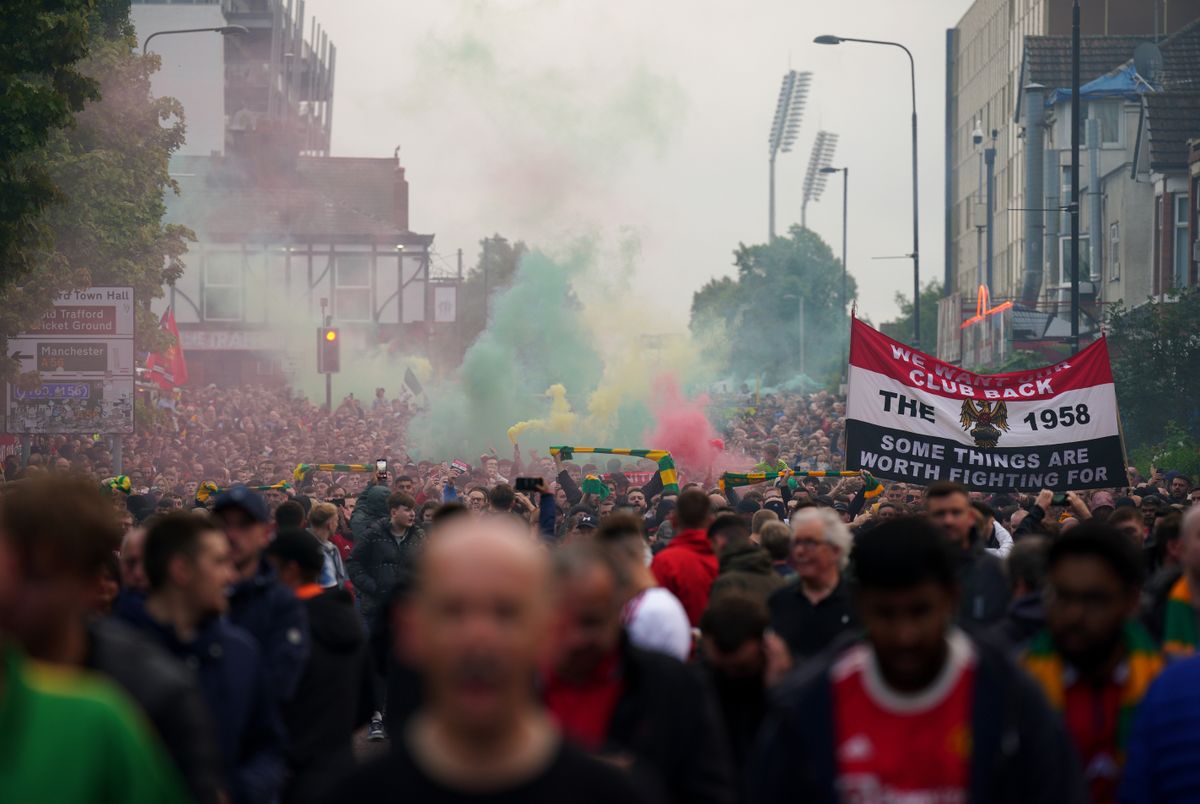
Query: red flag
[[168, 368]]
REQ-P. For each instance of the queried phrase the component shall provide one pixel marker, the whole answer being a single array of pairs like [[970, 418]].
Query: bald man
[[476, 630]]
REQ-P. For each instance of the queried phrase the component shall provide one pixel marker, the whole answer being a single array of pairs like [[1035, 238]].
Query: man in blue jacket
[[258, 602], [918, 710], [1160, 762], [189, 568]]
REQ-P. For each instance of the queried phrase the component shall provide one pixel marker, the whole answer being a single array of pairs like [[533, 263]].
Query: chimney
[[400, 197]]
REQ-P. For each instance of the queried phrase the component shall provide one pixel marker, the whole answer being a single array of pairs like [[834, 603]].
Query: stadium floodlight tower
[[824, 147], [789, 111]]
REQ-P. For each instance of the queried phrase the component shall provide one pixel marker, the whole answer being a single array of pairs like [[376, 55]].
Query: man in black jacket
[[644, 711], [334, 696], [984, 590], [918, 710], [384, 555], [386, 551]]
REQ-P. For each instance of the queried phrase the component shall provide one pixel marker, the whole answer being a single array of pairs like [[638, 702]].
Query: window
[[223, 277], [1064, 259], [1182, 254], [1110, 114], [1114, 251], [352, 287]]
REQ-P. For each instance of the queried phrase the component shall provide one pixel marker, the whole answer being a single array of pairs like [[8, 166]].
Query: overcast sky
[[544, 119]]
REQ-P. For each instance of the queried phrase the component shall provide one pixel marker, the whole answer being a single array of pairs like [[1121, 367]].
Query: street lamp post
[[223, 30], [916, 255], [845, 171]]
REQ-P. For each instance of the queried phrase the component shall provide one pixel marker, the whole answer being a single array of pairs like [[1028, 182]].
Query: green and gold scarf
[[1145, 663], [1179, 632]]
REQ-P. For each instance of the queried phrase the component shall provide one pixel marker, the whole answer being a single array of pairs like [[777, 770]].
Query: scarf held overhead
[[666, 464]]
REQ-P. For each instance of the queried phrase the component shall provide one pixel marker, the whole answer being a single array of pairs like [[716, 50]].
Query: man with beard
[[1094, 661], [476, 627]]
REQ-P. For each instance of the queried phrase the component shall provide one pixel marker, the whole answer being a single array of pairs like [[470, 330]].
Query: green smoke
[[534, 339]]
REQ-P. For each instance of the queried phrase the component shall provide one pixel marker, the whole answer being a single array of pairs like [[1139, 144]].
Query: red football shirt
[[583, 710], [896, 747]]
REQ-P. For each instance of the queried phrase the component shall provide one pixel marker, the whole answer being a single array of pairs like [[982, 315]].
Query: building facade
[[288, 238], [986, 70]]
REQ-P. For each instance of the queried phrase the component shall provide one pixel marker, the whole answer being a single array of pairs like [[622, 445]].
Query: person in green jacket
[[71, 737]]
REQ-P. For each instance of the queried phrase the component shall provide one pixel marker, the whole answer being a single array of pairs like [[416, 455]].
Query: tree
[[1155, 351], [111, 169], [41, 88], [761, 309], [493, 272], [901, 327]]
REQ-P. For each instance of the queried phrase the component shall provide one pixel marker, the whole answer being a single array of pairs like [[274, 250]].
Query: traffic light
[[329, 346]]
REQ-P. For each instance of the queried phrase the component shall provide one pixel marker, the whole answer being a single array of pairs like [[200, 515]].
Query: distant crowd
[[798, 639]]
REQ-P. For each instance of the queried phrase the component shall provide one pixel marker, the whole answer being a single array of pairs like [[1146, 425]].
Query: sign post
[[82, 350]]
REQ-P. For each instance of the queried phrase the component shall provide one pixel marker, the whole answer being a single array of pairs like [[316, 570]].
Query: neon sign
[[983, 308]]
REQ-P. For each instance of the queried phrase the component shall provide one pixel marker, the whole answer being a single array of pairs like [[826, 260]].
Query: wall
[[193, 68]]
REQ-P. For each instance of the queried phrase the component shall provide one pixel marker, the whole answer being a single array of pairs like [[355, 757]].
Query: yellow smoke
[[561, 420]]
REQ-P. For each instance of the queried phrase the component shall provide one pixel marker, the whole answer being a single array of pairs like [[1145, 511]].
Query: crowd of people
[[541, 627]]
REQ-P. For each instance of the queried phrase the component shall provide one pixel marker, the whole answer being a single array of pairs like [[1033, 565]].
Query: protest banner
[[913, 418]]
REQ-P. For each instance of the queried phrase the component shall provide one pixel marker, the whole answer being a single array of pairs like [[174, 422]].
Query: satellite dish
[[1148, 61]]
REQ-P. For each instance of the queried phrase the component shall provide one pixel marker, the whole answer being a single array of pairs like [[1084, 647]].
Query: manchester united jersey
[[894, 747]]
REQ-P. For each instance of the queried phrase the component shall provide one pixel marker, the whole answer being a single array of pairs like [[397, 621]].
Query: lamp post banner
[[913, 418]]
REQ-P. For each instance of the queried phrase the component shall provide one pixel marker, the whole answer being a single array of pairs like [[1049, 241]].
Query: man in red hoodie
[[687, 566]]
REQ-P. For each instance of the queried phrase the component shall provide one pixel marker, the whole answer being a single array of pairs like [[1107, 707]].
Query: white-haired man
[[810, 613]]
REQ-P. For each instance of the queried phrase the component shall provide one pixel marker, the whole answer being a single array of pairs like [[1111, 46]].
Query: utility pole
[[1075, 115]]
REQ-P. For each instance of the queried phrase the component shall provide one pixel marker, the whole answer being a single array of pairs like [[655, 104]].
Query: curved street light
[[223, 30], [828, 39]]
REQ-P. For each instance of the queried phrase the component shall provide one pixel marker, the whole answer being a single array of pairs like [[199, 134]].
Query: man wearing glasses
[[809, 614]]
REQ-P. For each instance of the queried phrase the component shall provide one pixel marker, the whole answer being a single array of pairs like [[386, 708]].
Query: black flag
[[412, 382]]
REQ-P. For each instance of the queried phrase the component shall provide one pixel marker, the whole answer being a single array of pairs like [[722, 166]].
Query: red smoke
[[683, 429]]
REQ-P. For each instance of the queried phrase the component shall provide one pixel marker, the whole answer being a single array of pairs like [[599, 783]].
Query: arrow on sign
[[21, 356]]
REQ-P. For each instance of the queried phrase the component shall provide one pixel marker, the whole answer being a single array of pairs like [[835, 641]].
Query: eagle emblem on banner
[[983, 421]]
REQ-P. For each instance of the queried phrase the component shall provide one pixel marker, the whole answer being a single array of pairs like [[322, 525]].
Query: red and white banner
[[168, 369], [910, 417]]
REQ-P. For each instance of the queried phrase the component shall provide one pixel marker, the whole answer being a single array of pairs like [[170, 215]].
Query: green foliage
[[481, 288], [901, 327], [1179, 450], [41, 88], [1155, 351], [110, 168], [760, 309]]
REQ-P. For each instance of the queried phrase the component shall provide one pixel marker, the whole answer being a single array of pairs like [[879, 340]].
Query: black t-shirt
[[571, 776]]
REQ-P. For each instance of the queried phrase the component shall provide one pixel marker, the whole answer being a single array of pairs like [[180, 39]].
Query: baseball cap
[[586, 521], [241, 497], [300, 546]]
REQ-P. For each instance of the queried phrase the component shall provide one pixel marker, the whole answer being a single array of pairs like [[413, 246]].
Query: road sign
[[85, 406], [93, 312], [82, 350], [87, 356]]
